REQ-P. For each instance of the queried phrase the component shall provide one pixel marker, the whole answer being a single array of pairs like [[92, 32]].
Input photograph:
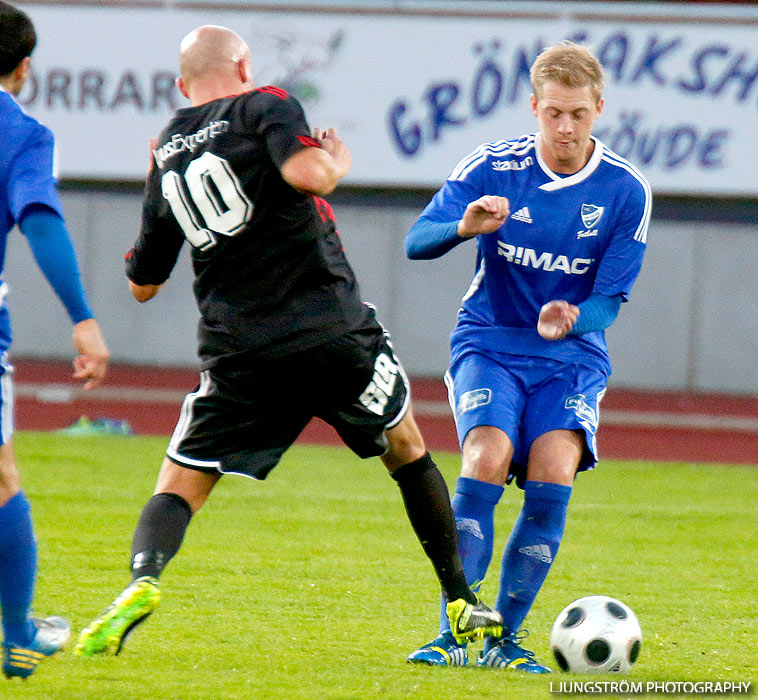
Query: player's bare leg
[[486, 455], [193, 486]]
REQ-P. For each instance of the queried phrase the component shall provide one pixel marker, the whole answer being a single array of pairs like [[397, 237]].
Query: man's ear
[[245, 71], [20, 74], [533, 100], [182, 87]]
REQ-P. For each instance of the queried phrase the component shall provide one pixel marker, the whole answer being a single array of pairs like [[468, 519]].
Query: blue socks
[[531, 549], [18, 569], [474, 508]]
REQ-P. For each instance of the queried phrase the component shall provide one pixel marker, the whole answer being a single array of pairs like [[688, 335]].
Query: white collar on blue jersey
[[556, 181]]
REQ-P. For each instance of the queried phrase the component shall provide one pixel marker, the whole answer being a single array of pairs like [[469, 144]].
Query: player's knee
[[10, 483], [491, 469], [191, 485], [486, 456], [402, 452], [405, 445]]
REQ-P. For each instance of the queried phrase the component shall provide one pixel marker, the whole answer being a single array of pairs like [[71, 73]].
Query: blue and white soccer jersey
[[566, 237], [26, 178]]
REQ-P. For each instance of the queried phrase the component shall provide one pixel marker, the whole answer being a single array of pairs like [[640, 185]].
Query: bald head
[[213, 60]]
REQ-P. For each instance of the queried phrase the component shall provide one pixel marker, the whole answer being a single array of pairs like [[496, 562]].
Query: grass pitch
[[311, 585]]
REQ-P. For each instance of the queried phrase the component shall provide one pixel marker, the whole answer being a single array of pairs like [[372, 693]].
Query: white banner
[[411, 95]]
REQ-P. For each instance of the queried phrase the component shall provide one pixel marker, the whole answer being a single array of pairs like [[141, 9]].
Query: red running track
[[650, 425]]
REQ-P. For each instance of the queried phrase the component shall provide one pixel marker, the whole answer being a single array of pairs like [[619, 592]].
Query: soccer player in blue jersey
[[560, 223], [28, 198]]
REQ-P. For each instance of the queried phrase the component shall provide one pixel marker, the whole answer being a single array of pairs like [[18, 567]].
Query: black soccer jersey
[[270, 273]]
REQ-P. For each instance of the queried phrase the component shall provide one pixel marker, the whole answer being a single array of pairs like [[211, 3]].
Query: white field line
[[65, 393]]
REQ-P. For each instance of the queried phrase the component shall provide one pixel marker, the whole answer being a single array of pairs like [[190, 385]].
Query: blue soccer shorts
[[525, 397]]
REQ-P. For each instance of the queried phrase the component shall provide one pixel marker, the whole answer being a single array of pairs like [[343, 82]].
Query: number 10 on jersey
[[208, 201]]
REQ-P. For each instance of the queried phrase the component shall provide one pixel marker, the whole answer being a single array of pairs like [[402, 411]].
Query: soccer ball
[[596, 634]]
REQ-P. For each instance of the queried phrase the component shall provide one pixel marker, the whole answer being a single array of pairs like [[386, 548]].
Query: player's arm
[[617, 271], [144, 292], [142, 266], [462, 209], [430, 239], [150, 261], [558, 318], [316, 170], [54, 253], [484, 215]]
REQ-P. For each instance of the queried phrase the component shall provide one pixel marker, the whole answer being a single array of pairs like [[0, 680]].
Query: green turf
[[312, 586]]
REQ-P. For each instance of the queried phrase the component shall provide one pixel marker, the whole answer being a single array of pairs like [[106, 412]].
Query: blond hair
[[570, 65]]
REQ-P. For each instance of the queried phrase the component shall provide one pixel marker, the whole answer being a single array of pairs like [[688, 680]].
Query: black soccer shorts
[[243, 422]]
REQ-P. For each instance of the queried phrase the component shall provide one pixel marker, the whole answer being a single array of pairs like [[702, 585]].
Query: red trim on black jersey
[[325, 210], [308, 141], [277, 92]]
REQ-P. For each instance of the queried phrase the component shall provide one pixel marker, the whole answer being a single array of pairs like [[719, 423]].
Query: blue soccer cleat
[[52, 635], [506, 652], [442, 651]]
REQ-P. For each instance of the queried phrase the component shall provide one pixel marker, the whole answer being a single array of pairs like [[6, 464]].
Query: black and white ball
[[596, 634]]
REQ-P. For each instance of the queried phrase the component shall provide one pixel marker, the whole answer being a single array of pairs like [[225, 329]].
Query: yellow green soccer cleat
[[472, 621], [107, 633]]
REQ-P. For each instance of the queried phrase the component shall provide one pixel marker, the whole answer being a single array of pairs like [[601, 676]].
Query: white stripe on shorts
[[182, 426], [6, 400]]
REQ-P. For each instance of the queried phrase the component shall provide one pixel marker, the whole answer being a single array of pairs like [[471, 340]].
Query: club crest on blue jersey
[[591, 215]]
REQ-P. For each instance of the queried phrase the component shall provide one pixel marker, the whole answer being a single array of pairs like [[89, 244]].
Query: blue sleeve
[[596, 313], [54, 252], [436, 230], [429, 239], [31, 180], [622, 260]]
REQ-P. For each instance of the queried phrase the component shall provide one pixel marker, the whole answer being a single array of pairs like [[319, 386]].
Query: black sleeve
[[283, 126], [155, 252]]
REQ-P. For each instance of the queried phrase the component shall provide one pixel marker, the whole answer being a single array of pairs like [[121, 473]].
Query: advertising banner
[[410, 94]]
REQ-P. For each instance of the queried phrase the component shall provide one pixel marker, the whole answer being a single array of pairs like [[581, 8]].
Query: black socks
[[427, 502], [159, 533]]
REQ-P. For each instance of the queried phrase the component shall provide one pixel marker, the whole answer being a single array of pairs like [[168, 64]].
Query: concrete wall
[[691, 322]]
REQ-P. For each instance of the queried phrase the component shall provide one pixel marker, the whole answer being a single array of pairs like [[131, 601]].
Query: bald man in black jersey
[[283, 334]]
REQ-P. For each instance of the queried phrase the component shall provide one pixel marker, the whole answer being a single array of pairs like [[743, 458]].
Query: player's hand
[[556, 319], [335, 147], [92, 361], [484, 215]]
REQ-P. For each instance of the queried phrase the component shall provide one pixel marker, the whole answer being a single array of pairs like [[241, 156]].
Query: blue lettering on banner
[[449, 104], [667, 147], [659, 59]]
